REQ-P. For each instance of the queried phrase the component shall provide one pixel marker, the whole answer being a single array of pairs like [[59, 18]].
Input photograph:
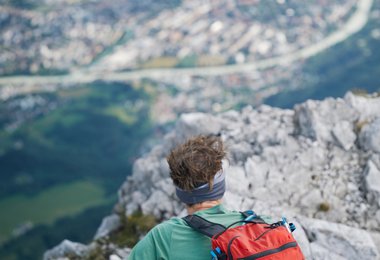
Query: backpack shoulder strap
[[204, 226], [248, 213], [252, 216]]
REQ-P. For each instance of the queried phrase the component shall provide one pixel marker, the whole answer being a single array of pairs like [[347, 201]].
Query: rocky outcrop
[[108, 225], [318, 164], [66, 250], [370, 136], [336, 241], [372, 180]]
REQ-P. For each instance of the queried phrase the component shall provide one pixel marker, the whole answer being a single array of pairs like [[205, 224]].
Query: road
[[354, 24]]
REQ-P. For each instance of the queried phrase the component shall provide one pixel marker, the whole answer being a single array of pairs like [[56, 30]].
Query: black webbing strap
[[203, 225], [211, 229]]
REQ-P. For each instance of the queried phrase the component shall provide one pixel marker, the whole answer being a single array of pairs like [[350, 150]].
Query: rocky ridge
[[318, 164]]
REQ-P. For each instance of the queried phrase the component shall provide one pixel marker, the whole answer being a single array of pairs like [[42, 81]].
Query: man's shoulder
[[157, 243], [169, 225], [173, 221]]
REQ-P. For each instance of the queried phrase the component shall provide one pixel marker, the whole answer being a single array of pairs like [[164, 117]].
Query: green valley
[[63, 154]]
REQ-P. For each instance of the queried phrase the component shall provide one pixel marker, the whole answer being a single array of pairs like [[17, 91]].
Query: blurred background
[[87, 86]]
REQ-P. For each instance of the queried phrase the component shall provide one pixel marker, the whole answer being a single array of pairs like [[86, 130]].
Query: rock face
[[66, 249], [318, 164], [336, 241], [372, 180], [109, 224], [370, 136]]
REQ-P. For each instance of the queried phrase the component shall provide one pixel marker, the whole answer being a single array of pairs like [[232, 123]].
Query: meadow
[[65, 161], [49, 205]]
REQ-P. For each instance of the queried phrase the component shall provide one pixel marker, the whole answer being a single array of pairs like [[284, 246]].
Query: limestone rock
[[376, 239], [336, 241], [370, 136], [236, 180], [301, 158], [302, 162], [315, 120], [307, 120], [159, 204], [344, 134], [109, 224], [367, 107], [66, 249], [312, 199], [137, 197], [114, 257], [301, 238], [372, 181], [196, 123]]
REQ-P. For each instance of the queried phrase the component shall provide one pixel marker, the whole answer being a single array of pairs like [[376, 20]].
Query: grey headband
[[203, 193]]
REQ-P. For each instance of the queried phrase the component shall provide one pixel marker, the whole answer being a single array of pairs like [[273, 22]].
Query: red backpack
[[255, 239]]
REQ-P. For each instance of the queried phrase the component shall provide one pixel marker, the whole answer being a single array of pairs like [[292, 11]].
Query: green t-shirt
[[174, 239]]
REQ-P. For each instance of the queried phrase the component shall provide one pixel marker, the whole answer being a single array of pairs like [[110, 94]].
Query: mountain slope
[[318, 164]]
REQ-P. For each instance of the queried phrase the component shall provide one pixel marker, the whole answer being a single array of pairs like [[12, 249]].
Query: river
[[353, 25]]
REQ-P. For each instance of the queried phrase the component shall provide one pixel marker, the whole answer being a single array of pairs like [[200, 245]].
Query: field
[[63, 163], [49, 205]]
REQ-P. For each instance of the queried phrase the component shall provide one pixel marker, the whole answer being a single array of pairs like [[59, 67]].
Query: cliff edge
[[318, 164]]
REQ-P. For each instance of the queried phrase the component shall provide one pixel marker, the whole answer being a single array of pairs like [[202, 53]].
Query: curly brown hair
[[196, 161]]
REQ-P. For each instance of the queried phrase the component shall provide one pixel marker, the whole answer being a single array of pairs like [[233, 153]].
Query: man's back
[[174, 239]]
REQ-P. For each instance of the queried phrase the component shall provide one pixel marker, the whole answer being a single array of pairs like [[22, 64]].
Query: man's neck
[[202, 206]]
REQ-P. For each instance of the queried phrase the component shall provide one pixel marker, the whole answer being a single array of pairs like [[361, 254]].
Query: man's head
[[195, 168]]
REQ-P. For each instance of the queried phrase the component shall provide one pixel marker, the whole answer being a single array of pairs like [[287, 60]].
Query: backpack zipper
[[270, 251]]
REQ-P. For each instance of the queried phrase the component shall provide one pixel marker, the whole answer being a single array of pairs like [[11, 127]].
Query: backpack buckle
[[217, 254]]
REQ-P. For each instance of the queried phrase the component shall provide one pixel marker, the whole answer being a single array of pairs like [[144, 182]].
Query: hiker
[[199, 180]]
